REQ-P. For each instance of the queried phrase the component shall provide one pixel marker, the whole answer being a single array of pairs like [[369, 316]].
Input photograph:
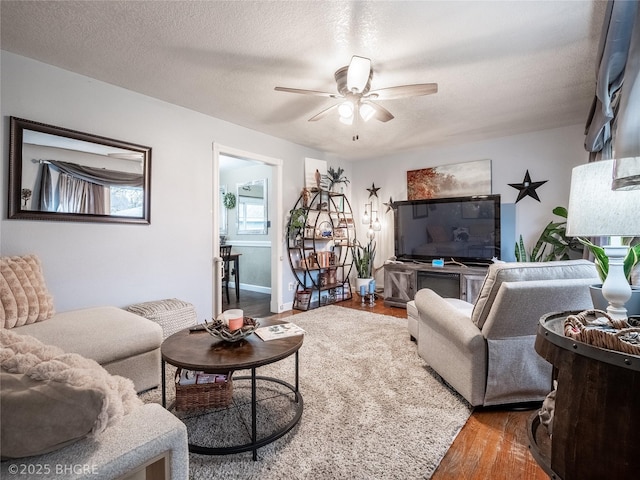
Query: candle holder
[[372, 298]]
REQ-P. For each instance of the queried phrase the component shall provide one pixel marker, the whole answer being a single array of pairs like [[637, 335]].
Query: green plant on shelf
[[297, 222], [333, 177]]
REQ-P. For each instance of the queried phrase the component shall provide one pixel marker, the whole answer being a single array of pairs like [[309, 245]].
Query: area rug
[[372, 408]]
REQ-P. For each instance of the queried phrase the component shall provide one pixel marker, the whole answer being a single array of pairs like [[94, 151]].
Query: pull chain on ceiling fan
[[353, 85]]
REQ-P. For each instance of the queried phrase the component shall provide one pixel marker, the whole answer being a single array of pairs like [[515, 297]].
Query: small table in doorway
[[199, 351], [235, 259]]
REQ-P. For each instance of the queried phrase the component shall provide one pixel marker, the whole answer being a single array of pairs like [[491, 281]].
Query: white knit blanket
[[27, 355]]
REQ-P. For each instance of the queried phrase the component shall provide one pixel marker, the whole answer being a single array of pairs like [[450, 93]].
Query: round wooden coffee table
[[199, 351]]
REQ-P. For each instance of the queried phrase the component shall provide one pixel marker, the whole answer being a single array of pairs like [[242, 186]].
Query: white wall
[[91, 264], [548, 155], [87, 264]]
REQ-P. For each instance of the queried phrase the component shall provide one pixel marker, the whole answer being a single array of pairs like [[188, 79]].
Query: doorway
[[254, 298]]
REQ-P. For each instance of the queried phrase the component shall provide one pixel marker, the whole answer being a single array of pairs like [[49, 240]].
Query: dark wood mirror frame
[[16, 169]]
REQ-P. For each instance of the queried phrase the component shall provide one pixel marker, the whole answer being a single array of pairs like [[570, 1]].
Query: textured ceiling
[[502, 67]]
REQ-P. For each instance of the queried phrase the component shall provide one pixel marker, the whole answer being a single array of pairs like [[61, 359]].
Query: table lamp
[[626, 173], [596, 210]]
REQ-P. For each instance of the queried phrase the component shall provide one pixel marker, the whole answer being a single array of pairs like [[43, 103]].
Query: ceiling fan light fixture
[[358, 73], [345, 109], [366, 111], [347, 120]]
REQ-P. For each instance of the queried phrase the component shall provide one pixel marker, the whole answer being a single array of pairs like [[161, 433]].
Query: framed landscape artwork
[[455, 180]]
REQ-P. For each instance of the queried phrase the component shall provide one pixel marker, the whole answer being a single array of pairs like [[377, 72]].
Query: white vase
[[600, 303]]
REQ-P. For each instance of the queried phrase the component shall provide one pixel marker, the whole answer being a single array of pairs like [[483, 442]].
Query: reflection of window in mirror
[[222, 210], [126, 201], [252, 208]]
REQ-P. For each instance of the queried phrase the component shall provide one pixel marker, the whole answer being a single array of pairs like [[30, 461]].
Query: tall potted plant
[[631, 263], [553, 243], [363, 260]]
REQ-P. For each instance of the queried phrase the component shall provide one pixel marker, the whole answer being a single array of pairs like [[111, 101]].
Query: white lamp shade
[[358, 73], [367, 111], [345, 109], [626, 173], [597, 210]]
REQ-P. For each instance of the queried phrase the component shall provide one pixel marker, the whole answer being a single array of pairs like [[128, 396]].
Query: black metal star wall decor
[[527, 187], [373, 191], [389, 205]]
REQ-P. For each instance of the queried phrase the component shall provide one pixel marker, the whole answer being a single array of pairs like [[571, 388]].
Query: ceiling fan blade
[[307, 92], [404, 91], [382, 113], [358, 73], [324, 113]]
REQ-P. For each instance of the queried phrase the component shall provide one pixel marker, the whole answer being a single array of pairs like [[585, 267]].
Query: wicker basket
[[171, 314], [205, 395], [613, 334]]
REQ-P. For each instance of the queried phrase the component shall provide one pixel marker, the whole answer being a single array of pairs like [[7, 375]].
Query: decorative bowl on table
[[219, 329]]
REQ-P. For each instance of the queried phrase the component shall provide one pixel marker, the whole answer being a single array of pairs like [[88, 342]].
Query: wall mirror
[[252, 208], [61, 174]]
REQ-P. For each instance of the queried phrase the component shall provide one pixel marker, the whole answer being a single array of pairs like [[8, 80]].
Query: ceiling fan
[[354, 83]]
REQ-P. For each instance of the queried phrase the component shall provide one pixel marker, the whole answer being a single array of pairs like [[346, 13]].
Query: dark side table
[[596, 427]]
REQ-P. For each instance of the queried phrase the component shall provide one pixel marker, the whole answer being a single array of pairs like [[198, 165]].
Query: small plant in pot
[[631, 263], [297, 222], [333, 178]]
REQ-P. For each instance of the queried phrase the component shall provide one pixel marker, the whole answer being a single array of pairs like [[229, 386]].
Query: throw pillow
[[438, 234], [23, 291], [461, 234], [38, 417]]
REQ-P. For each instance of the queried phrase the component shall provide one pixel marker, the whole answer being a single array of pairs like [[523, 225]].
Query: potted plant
[[297, 222], [363, 259], [553, 243], [333, 177], [631, 262]]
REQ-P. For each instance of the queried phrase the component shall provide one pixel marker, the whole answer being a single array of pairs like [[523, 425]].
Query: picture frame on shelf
[[313, 171]]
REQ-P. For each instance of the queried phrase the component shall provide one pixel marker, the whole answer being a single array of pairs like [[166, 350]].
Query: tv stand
[[403, 280]]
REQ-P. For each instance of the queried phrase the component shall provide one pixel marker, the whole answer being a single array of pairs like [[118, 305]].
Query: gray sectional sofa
[[147, 438]]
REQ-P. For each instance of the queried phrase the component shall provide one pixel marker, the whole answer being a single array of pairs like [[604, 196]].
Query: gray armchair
[[487, 353]]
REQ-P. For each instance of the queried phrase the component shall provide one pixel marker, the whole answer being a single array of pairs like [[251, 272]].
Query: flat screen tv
[[461, 229]]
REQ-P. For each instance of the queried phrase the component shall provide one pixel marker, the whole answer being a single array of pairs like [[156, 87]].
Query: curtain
[[44, 196], [101, 176], [81, 189], [614, 52], [627, 141], [612, 58], [79, 196]]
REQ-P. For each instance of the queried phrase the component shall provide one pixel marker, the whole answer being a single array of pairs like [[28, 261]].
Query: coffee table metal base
[[255, 441]]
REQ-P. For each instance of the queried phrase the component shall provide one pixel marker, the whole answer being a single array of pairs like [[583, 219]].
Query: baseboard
[[251, 288]]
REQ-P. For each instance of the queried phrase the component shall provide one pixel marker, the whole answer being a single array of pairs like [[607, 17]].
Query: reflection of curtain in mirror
[[44, 197], [78, 196]]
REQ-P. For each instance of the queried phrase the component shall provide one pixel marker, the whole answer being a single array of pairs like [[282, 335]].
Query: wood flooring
[[492, 444]]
